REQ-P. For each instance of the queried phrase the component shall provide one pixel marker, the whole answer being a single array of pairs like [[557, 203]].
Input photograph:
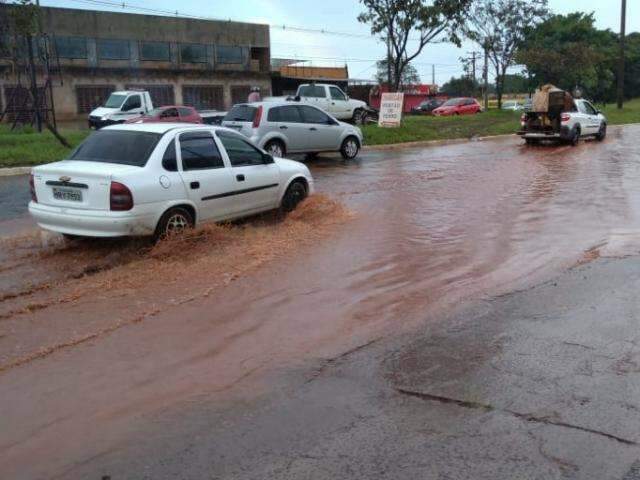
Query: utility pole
[[473, 65], [486, 78], [433, 74], [623, 29]]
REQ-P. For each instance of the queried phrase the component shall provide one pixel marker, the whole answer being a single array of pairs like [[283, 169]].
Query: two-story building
[[203, 63]]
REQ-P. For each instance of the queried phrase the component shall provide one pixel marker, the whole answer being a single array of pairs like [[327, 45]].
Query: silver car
[[281, 128]]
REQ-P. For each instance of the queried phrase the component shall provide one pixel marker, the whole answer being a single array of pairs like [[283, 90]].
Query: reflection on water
[[480, 217]]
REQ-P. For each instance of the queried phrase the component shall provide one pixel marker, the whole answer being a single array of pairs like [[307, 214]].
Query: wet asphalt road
[[540, 384], [14, 196], [391, 348]]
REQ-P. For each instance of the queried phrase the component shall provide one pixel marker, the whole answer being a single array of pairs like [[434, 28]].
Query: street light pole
[[623, 28]]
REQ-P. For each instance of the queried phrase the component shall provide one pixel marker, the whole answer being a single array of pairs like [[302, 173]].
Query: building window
[[193, 53], [160, 94], [113, 49], [155, 51], [239, 93], [226, 54], [71, 47], [203, 97], [89, 97]]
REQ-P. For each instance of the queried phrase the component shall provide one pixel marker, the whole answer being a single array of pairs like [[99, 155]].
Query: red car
[[170, 114], [458, 106]]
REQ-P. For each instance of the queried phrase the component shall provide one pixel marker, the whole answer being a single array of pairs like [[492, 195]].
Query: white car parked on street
[[154, 179], [290, 127]]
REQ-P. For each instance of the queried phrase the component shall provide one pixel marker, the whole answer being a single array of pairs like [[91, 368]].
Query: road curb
[[435, 143], [8, 172], [454, 141]]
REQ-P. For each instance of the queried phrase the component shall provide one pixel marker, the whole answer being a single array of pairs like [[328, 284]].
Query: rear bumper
[[563, 134], [89, 223]]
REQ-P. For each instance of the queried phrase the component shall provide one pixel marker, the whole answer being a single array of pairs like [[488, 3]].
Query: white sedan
[[154, 179]]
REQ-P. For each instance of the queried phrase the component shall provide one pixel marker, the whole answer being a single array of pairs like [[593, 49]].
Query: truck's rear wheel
[[531, 141], [575, 137]]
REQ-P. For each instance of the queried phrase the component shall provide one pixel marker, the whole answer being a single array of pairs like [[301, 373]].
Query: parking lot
[[227, 338]]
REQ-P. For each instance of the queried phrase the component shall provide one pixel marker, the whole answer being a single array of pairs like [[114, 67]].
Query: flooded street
[[120, 358]]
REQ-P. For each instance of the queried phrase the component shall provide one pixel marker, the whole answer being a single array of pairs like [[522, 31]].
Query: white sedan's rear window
[[117, 146]]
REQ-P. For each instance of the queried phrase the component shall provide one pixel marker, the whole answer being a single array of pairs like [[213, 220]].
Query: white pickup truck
[[120, 107], [333, 100], [555, 115], [127, 104]]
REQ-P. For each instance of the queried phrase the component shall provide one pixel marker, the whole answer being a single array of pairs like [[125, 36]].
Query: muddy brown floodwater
[[100, 339]]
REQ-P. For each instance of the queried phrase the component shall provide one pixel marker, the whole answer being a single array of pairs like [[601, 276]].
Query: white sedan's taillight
[[565, 117], [120, 197]]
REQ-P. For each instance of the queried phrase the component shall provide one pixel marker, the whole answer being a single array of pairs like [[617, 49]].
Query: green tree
[[498, 26], [395, 21], [516, 83], [463, 86], [632, 68], [409, 75], [569, 51]]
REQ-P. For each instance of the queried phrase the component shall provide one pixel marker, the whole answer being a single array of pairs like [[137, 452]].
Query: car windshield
[[453, 102], [241, 113], [115, 100], [117, 146]]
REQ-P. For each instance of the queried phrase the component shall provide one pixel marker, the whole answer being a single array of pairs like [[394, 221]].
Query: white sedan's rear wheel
[[174, 221]]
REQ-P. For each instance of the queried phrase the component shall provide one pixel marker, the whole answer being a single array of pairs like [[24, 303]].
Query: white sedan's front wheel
[[296, 192], [350, 148]]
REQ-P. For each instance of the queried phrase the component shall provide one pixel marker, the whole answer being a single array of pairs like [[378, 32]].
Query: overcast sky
[[360, 53]]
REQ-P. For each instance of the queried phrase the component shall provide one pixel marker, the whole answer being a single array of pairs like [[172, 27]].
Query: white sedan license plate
[[70, 194]]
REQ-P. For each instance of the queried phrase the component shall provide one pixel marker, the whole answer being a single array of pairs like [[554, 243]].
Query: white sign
[[391, 109]]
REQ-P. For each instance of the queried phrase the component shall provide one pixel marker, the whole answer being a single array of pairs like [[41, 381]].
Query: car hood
[[102, 111], [289, 166]]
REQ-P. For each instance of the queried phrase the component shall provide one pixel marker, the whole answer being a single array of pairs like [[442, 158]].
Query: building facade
[[288, 74], [202, 63]]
